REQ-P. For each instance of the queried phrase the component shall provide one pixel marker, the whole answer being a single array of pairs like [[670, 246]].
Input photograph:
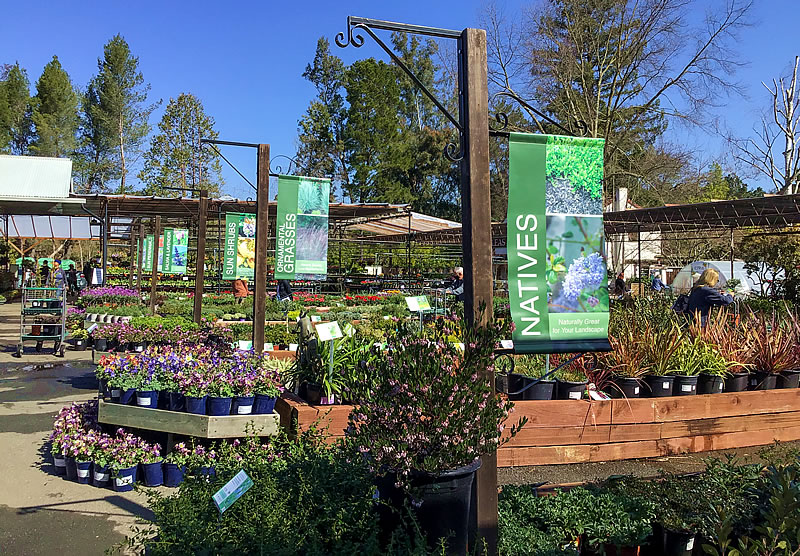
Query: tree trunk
[[122, 154]]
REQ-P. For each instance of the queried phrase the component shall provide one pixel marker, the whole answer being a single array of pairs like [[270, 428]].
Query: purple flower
[[585, 273]]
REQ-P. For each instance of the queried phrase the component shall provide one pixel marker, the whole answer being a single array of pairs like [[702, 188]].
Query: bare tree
[[780, 126]]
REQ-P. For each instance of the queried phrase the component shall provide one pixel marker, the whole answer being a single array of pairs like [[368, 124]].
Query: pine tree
[[15, 110], [119, 115], [175, 157], [55, 112], [95, 163]]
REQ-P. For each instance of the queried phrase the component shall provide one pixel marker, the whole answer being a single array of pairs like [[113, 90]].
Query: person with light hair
[[456, 287], [705, 295]]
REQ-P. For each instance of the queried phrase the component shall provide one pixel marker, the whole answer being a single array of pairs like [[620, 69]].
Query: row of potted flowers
[[108, 294], [194, 379]]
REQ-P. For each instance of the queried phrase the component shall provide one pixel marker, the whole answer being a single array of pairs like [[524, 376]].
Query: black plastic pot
[[175, 401], [684, 385], [709, 384], [658, 386], [624, 387], [569, 390], [789, 379], [80, 345], [678, 543], [441, 505], [313, 393], [760, 380], [737, 382], [501, 383], [542, 390]]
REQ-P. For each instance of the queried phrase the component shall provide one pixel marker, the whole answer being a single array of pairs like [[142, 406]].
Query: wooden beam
[[131, 256], [476, 218], [140, 260], [199, 273], [154, 275], [262, 239]]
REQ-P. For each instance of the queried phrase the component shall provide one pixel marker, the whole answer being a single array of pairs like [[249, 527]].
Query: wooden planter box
[[188, 424], [578, 431], [296, 415]]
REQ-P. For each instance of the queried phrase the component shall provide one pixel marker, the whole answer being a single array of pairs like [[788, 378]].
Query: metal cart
[[39, 302]]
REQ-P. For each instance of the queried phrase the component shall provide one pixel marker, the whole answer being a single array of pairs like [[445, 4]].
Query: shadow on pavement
[[86, 381], [128, 507]]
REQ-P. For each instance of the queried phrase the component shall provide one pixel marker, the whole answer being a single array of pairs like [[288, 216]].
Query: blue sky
[[244, 60]]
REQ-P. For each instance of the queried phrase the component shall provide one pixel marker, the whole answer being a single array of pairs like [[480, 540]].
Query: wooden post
[[262, 240], [140, 260], [732, 249], [200, 271], [476, 219], [154, 275], [132, 253]]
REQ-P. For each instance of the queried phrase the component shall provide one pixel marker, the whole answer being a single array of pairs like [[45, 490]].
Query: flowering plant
[[179, 454], [108, 294], [432, 408]]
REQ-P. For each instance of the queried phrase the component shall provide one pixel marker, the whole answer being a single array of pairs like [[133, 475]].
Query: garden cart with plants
[[43, 317]]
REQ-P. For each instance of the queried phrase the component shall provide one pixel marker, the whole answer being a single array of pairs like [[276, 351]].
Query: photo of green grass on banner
[[558, 284]]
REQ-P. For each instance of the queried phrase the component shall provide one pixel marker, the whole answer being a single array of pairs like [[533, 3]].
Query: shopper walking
[[704, 296]]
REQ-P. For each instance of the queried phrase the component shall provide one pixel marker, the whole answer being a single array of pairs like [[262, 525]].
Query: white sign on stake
[[328, 331]]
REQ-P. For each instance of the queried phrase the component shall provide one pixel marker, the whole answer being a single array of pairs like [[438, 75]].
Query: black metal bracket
[[354, 37], [502, 118], [279, 169]]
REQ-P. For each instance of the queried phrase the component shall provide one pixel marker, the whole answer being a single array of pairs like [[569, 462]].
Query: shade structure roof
[[775, 211], [182, 207], [413, 222], [36, 185], [48, 227]]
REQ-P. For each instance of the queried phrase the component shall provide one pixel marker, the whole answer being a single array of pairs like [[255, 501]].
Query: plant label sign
[[301, 248], [418, 304], [232, 491], [556, 268], [328, 331]]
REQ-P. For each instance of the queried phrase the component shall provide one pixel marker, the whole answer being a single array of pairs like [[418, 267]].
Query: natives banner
[[557, 280], [239, 259], [301, 250], [176, 248]]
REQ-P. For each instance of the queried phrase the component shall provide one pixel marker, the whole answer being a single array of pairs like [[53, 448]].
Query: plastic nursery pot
[[684, 385], [737, 382], [658, 386], [243, 405], [84, 471], [709, 384], [313, 393], [624, 387], [60, 464], [100, 475], [80, 345], [128, 396], [153, 474], [678, 543], [173, 474], [101, 344], [147, 398], [72, 469], [569, 390], [263, 404], [760, 380], [789, 379], [176, 401], [195, 405], [444, 505], [124, 479], [207, 471], [501, 383], [541, 390], [218, 406]]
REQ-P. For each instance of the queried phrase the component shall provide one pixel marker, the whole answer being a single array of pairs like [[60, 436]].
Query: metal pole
[[154, 275], [200, 258], [732, 247], [131, 255], [105, 241], [639, 247], [476, 221], [262, 244]]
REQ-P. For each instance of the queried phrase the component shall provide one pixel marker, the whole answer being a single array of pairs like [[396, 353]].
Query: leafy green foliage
[[55, 112], [16, 132], [579, 160]]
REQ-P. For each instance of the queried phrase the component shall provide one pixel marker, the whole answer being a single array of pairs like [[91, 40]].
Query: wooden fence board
[[683, 408], [566, 413], [635, 410]]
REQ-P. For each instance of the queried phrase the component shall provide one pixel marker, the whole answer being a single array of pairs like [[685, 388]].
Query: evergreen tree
[[118, 115], [55, 112], [95, 163], [15, 110], [175, 157]]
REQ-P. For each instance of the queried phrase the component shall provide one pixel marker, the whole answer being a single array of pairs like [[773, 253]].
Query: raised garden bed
[[579, 431]]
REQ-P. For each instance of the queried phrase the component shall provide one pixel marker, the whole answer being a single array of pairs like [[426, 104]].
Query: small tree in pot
[[428, 420]]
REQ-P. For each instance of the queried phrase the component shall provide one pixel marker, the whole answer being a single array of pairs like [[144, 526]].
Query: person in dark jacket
[[44, 272], [72, 279], [704, 296], [285, 290], [87, 273], [456, 287], [620, 287]]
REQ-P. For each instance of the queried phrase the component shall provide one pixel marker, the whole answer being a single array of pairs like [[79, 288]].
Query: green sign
[[557, 281], [239, 259], [301, 250], [232, 491], [147, 253], [176, 248]]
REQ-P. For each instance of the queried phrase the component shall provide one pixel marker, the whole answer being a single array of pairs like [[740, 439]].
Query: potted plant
[[175, 465], [80, 337], [148, 388], [626, 360], [528, 382], [571, 380], [220, 393], [123, 465], [202, 461], [427, 421], [101, 460], [152, 461], [194, 387], [660, 344], [728, 340], [771, 348], [125, 381]]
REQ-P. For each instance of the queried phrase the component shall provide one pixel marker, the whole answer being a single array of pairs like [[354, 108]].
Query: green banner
[[557, 280], [175, 250], [301, 250], [239, 260], [147, 253]]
